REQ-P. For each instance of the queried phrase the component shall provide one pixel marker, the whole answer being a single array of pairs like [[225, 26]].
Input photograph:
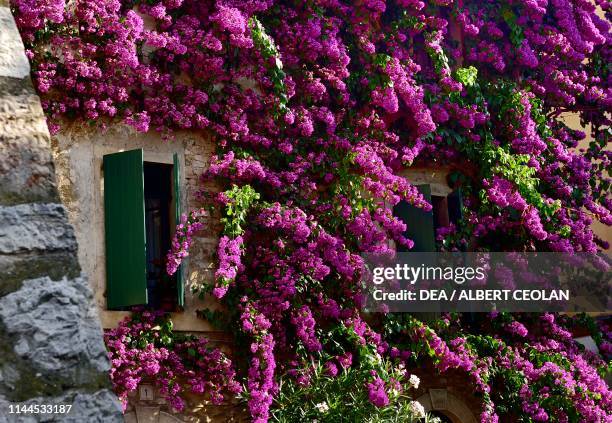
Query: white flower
[[417, 409], [322, 407], [401, 370], [414, 381]]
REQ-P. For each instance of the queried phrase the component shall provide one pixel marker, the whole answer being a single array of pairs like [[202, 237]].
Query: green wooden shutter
[[455, 206], [420, 224], [177, 212], [124, 223]]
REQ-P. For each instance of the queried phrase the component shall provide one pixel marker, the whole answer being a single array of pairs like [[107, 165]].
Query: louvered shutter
[[420, 224], [178, 210], [124, 223]]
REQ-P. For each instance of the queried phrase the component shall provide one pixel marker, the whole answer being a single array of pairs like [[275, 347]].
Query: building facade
[[98, 168]]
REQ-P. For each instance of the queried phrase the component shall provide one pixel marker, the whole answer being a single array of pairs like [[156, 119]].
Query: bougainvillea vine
[[316, 108]]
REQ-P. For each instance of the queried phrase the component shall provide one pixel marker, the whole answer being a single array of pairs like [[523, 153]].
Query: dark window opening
[[159, 218], [455, 206], [440, 212], [422, 226], [440, 415]]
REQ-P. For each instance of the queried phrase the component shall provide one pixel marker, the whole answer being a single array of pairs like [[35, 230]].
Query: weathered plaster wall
[[196, 411], [51, 347], [573, 121], [78, 152], [435, 177]]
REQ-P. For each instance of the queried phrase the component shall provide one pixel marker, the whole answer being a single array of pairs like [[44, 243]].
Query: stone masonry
[[51, 347]]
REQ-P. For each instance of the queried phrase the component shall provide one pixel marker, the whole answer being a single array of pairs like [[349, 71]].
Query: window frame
[[437, 179], [176, 160]]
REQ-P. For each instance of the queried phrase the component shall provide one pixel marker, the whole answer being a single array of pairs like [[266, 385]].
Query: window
[[422, 225], [161, 288], [421, 228], [141, 203]]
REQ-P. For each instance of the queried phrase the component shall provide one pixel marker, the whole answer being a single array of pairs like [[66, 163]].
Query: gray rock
[[13, 61], [35, 227], [54, 328], [51, 352], [26, 168], [98, 407], [51, 345], [14, 269], [101, 406]]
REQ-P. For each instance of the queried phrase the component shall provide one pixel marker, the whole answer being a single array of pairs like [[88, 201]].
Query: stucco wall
[[573, 121]]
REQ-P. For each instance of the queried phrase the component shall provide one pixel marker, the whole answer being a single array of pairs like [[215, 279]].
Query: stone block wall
[[51, 346]]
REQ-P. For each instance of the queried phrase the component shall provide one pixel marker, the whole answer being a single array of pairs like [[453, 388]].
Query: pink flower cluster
[[183, 237], [261, 383], [144, 348], [377, 393], [540, 351], [228, 253]]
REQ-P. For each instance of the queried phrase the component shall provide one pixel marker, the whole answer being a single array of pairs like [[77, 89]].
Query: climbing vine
[[315, 108]]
